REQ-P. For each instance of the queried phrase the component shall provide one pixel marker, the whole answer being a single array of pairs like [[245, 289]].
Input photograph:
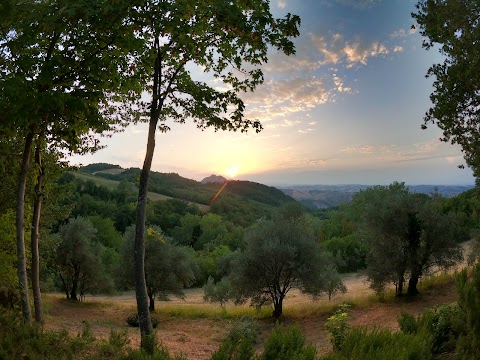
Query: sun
[[231, 171]]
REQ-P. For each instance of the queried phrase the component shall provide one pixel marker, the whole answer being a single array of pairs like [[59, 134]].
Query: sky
[[346, 109]]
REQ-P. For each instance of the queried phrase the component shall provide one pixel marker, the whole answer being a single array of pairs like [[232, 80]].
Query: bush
[[133, 321], [337, 326], [360, 343], [468, 346], [442, 323], [239, 344], [287, 344]]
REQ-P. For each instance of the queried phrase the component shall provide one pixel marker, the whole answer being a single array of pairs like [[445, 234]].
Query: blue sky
[[346, 109]]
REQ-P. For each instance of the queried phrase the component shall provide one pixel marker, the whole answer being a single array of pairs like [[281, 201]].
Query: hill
[[241, 202]]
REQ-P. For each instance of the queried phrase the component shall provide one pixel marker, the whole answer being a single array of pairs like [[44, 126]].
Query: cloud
[[339, 85], [369, 149], [282, 4], [298, 94], [317, 50], [398, 48], [359, 53], [356, 4]]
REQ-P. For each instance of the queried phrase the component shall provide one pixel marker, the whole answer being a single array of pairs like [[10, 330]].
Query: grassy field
[[196, 328], [112, 185]]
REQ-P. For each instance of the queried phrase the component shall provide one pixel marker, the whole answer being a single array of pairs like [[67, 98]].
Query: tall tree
[[228, 40], [406, 234], [453, 24], [62, 67]]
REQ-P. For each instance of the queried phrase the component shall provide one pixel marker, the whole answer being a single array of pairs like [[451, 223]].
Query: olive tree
[[78, 259], [281, 254], [406, 235]]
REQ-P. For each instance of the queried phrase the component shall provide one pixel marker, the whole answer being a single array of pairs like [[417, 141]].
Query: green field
[[112, 185]]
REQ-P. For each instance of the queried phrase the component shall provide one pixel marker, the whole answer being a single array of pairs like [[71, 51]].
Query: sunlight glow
[[231, 171]]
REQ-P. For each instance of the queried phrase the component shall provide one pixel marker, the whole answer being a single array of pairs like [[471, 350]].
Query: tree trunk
[[401, 280], [65, 287], [37, 209], [73, 292], [151, 299], [144, 320], [412, 284], [21, 263], [278, 308]]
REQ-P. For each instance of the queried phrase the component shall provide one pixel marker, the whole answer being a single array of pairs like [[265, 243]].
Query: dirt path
[[198, 338]]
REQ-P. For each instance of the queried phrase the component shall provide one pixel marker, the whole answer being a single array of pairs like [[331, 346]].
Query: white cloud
[[398, 48], [369, 149], [282, 4], [339, 85]]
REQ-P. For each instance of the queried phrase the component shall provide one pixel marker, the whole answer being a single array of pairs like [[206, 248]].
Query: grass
[[113, 184]]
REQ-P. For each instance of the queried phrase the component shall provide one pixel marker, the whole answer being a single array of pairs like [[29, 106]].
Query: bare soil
[[199, 337]]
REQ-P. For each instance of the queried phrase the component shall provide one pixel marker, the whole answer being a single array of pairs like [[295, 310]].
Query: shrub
[[337, 326], [287, 344], [468, 346], [133, 321], [442, 323], [239, 344], [383, 344]]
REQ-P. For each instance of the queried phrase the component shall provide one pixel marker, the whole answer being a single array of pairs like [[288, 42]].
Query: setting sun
[[231, 171]]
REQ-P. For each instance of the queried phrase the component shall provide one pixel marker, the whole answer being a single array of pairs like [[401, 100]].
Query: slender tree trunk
[[144, 320], [401, 280], [73, 292], [21, 262], [151, 299], [37, 210]]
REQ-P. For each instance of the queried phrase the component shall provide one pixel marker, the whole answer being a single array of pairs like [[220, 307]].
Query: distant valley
[[327, 196]]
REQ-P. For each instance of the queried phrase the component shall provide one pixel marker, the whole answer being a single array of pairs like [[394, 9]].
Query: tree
[[280, 254], [406, 235], [63, 64], [453, 24], [78, 259], [168, 268], [228, 40]]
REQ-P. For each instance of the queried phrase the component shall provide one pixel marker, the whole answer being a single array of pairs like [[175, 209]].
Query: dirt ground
[[199, 337]]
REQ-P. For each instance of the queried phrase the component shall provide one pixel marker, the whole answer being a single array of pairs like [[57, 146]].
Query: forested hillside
[[241, 202]]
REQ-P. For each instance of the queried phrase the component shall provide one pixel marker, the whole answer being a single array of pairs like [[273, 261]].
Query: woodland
[[73, 71]]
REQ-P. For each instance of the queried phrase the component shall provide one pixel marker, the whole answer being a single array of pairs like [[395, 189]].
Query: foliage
[[469, 303], [338, 326], [280, 254], [443, 324], [133, 321], [239, 344], [219, 292], [350, 252], [359, 343], [453, 25], [8, 256], [19, 340], [287, 343], [168, 268], [406, 234], [78, 260]]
